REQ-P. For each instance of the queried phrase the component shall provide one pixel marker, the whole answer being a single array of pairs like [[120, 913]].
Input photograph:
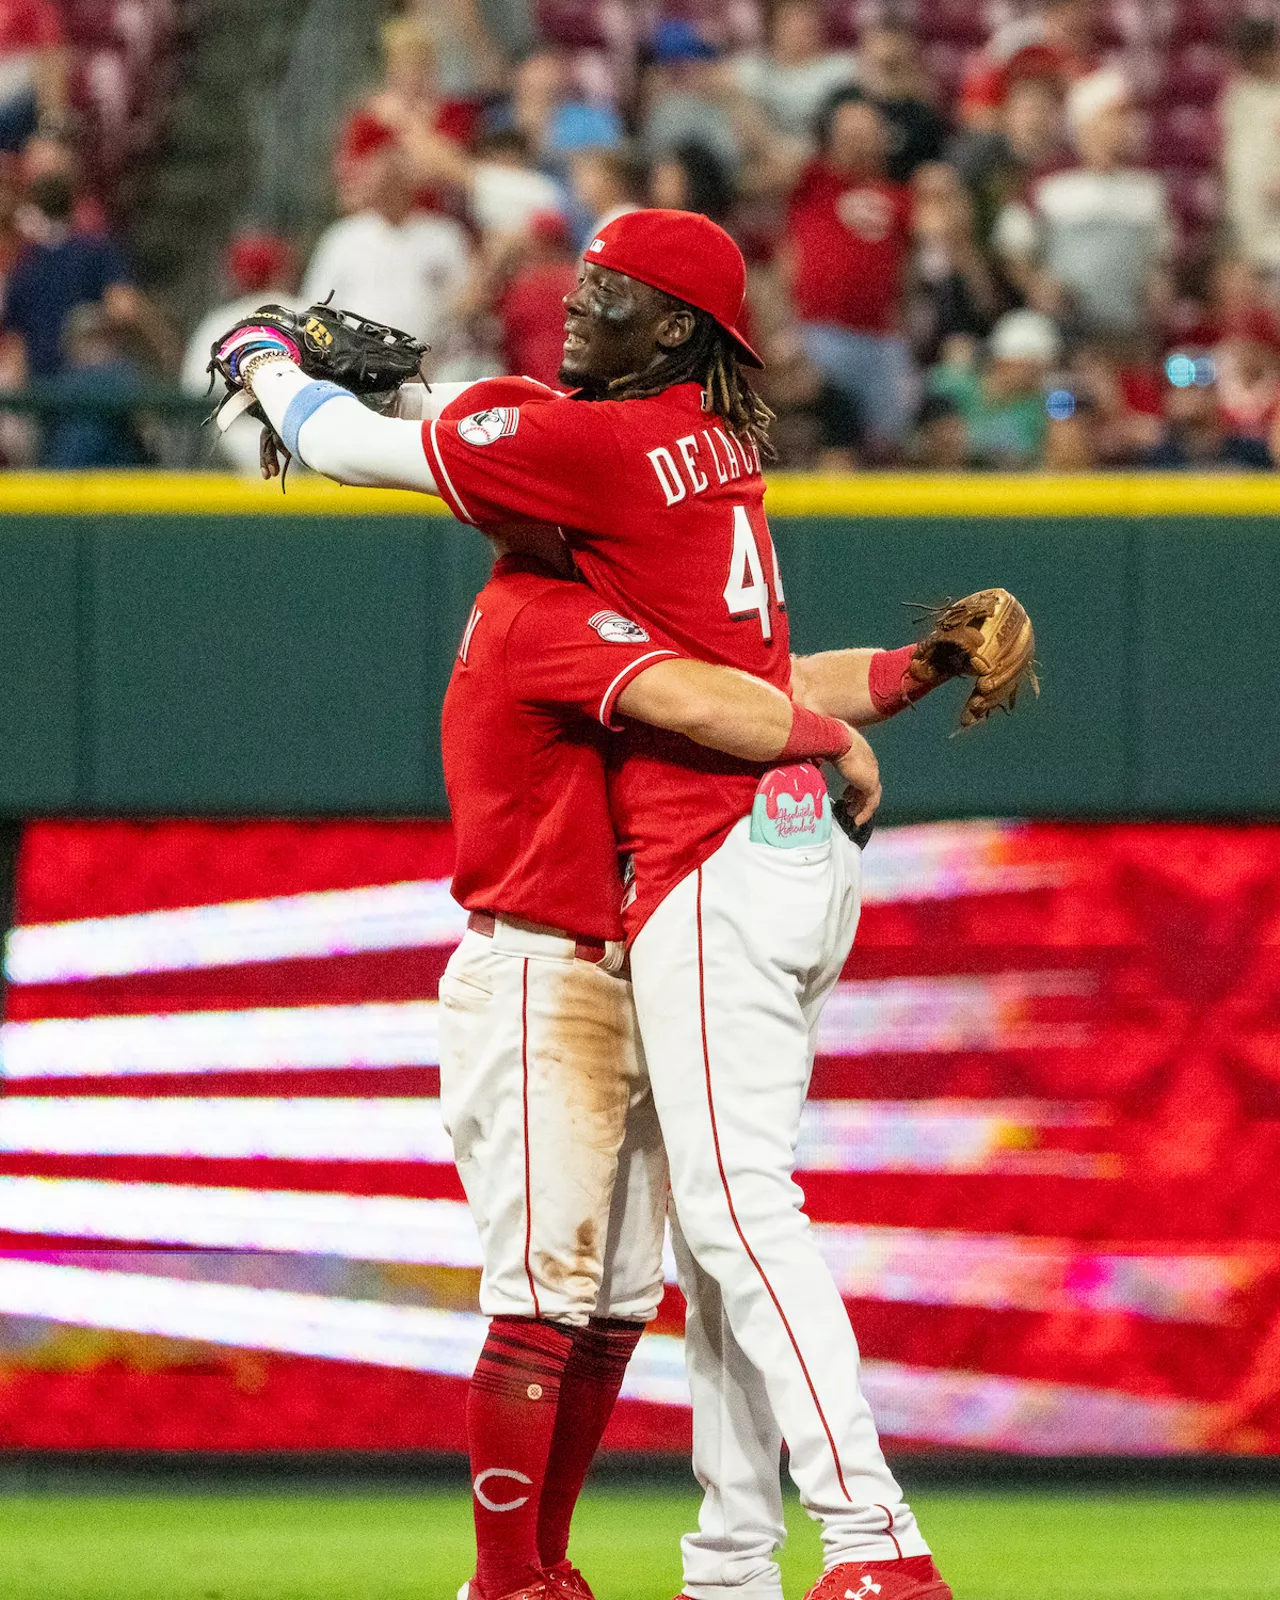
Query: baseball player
[[743, 900], [543, 1088]]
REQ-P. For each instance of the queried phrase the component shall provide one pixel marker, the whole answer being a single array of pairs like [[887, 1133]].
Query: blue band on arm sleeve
[[305, 404]]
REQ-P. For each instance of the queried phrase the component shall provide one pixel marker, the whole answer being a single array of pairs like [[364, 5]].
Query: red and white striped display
[[1038, 1152]]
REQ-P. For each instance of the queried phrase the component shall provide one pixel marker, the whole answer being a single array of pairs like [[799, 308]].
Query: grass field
[[380, 1546]]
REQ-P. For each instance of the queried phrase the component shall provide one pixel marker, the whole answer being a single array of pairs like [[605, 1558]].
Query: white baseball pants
[[730, 974], [545, 1096]]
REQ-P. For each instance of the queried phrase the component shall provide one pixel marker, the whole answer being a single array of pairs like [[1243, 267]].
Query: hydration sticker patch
[[791, 810]]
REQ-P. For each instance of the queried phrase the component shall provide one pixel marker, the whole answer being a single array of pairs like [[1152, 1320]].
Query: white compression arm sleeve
[[333, 433], [414, 401]]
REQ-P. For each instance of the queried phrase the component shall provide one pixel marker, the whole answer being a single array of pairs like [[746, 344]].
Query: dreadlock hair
[[707, 357]]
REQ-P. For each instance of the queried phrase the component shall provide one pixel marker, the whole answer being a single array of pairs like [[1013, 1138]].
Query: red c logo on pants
[[501, 1505]]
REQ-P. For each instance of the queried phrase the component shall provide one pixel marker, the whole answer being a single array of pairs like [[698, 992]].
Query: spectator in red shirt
[[33, 68], [1198, 435], [530, 306], [1058, 41], [846, 255], [1248, 367], [1126, 402], [1237, 295], [408, 103]]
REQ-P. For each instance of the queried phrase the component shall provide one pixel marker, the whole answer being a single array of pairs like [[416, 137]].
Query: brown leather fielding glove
[[987, 636]]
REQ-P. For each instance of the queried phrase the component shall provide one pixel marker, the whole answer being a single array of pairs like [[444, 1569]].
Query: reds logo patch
[[866, 212], [614, 629], [487, 427]]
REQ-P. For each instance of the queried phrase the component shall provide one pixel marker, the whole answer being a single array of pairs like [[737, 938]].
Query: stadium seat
[[1203, 21], [955, 22], [1185, 136], [1197, 73], [576, 24]]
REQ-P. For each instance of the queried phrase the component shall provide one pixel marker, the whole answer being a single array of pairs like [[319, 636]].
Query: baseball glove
[[987, 636], [368, 358]]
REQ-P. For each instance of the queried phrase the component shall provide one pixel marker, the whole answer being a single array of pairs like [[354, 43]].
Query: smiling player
[[543, 1090], [743, 899]]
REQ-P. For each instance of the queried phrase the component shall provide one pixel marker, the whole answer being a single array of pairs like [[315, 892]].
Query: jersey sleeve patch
[[615, 629], [490, 425]]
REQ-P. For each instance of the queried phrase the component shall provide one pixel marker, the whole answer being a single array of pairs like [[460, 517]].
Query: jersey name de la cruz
[[663, 507]]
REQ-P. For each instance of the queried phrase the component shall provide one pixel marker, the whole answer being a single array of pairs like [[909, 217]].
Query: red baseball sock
[[588, 1391], [511, 1418]]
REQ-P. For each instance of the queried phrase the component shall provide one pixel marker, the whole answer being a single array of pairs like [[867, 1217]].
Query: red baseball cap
[[258, 261], [684, 254], [364, 135]]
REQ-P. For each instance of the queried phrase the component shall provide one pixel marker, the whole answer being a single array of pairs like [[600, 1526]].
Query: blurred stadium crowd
[[981, 233]]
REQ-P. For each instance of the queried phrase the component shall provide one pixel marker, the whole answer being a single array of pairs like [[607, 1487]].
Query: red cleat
[[565, 1582], [909, 1578], [539, 1587]]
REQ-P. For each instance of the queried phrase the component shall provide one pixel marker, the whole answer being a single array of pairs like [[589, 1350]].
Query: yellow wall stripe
[[790, 495], [1025, 495], [198, 494]]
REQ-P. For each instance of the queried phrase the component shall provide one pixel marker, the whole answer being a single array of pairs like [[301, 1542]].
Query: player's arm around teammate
[[860, 686], [986, 636], [745, 902], [543, 1088], [357, 446]]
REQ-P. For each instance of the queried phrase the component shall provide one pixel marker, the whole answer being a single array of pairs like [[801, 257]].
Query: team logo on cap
[[487, 427], [596, 244], [614, 629]]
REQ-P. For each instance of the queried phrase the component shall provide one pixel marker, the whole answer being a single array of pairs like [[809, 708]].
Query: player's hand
[[861, 772], [269, 453]]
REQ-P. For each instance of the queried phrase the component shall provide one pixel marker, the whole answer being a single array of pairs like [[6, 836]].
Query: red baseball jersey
[[850, 240], [663, 507], [539, 670]]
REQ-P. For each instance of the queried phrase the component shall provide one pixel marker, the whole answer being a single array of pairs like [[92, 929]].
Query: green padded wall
[[853, 582], [1204, 611], [192, 658], [45, 705]]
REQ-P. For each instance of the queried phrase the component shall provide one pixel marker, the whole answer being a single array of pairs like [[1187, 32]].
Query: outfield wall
[[198, 645]]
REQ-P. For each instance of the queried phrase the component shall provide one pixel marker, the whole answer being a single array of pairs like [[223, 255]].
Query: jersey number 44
[[747, 592]]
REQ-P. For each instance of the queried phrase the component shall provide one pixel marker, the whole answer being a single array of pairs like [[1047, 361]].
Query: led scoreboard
[[1039, 1153]]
